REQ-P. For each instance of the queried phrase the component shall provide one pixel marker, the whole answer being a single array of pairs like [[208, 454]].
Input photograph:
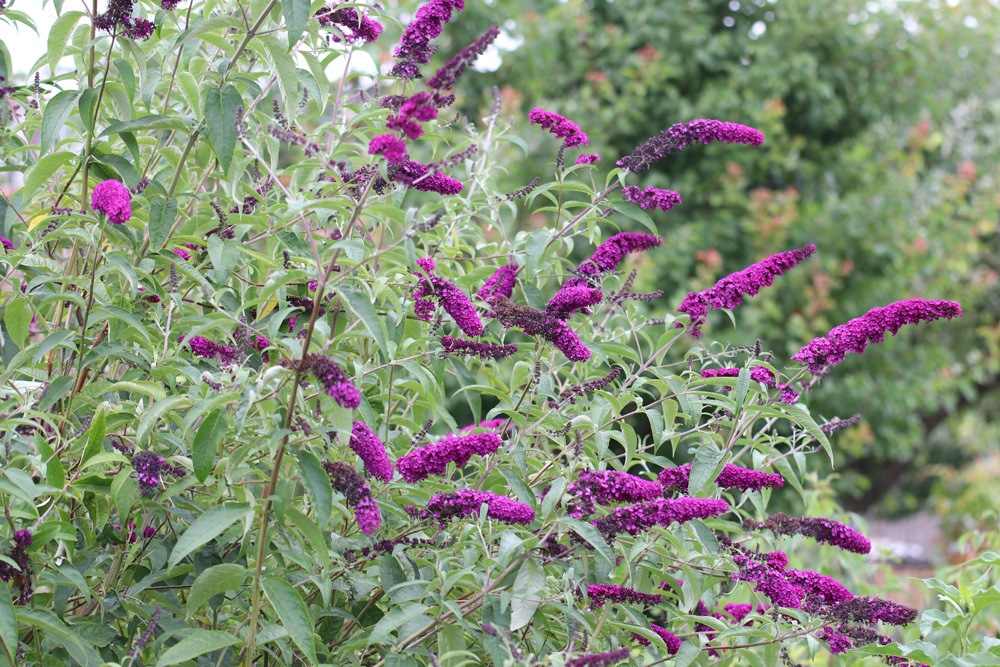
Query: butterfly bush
[[327, 279]]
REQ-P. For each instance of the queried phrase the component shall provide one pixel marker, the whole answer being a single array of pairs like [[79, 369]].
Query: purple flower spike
[[563, 128], [352, 24], [446, 77], [600, 594], [433, 459], [540, 323], [182, 253], [871, 610], [452, 299], [357, 494], [587, 158], [203, 347], [820, 590], [573, 298], [672, 641], [414, 46], [112, 198], [731, 477], [610, 254], [821, 354], [474, 349], [371, 451], [390, 146], [150, 469], [467, 502], [635, 519], [729, 292], [678, 137], [605, 659], [500, 283], [334, 382], [654, 198], [603, 487], [419, 176], [568, 342], [820, 529], [5, 242]]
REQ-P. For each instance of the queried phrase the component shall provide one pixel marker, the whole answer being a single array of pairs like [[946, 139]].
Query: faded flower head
[[655, 198], [112, 198], [335, 383], [820, 529], [344, 480]]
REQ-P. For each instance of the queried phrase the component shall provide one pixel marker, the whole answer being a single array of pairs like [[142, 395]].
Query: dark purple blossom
[[731, 477], [729, 292], [820, 354], [169, 5], [838, 424], [418, 108], [414, 46], [540, 323], [741, 610], [419, 176], [605, 659], [112, 198], [655, 198], [838, 643], [148, 531], [500, 283], [150, 470], [820, 590], [760, 374], [820, 529], [352, 24], [445, 77], [5, 242], [610, 254], [182, 253], [433, 459], [467, 502], [563, 128], [870, 610], [334, 382], [600, 594], [453, 300], [203, 347], [603, 487], [344, 480], [371, 451], [672, 641], [573, 298], [587, 158], [390, 146], [118, 19], [475, 349], [678, 137], [20, 573], [769, 580], [634, 519], [588, 387]]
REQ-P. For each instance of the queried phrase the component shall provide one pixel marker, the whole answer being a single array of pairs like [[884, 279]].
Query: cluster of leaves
[[225, 283]]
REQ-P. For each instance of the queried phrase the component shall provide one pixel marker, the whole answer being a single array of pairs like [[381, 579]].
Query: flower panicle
[[681, 135], [358, 495], [604, 487], [476, 349], [433, 459], [563, 128], [731, 477], [654, 198], [371, 451], [601, 594], [821, 529], [444, 79], [605, 659], [445, 507], [635, 519]]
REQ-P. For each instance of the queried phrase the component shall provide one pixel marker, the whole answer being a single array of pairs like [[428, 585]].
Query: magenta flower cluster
[[600, 594], [587, 158], [562, 127], [444, 79], [418, 108], [604, 487], [540, 323], [358, 495], [501, 283], [448, 296], [605, 659], [654, 198], [5, 242], [433, 459], [414, 47], [760, 374], [353, 25], [820, 354], [571, 298], [612, 251], [729, 292], [468, 502], [731, 477], [112, 198], [679, 136], [203, 347], [371, 451], [118, 19], [424, 178], [335, 383], [635, 519], [820, 529], [150, 470], [390, 146]]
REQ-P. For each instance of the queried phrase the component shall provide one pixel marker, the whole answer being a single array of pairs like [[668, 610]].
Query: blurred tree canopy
[[882, 148]]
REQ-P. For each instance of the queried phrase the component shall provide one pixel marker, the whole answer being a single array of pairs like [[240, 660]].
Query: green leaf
[[88, 106], [294, 614], [56, 111], [593, 536], [393, 620], [8, 626], [317, 484], [686, 654], [161, 218], [206, 443], [390, 573], [17, 317], [704, 468], [361, 304], [123, 495], [296, 13], [220, 119], [197, 643], [742, 387], [155, 412], [43, 171], [802, 417], [206, 528], [224, 255], [282, 65], [55, 475], [151, 122], [214, 580], [59, 38], [81, 651], [95, 438], [528, 584]]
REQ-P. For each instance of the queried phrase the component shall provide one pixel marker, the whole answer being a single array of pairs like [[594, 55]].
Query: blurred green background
[[882, 147]]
